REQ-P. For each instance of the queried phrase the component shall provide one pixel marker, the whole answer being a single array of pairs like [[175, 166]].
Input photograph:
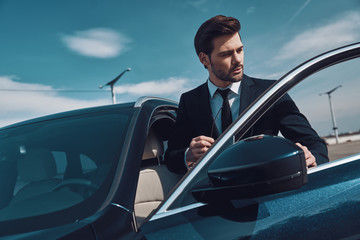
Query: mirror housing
[[254, 167]]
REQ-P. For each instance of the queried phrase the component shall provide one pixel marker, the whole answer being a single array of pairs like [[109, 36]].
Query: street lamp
[[112, 83], [333, 113]]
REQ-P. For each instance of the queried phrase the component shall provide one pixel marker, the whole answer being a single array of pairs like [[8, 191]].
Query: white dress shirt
[[216, 102]]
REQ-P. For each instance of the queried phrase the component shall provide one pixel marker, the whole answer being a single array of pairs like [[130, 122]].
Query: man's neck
[[220, 84]]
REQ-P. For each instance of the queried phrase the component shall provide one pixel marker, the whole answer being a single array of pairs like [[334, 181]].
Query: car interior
[[36, 181], [155, 180], [44, 173]]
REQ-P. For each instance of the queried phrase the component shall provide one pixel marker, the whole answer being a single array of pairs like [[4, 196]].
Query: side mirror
[[254, 167]]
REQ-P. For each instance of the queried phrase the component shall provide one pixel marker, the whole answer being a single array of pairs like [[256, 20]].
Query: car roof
[[149, 102]]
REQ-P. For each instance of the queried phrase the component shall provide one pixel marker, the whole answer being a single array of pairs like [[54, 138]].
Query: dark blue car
[[99, 173]]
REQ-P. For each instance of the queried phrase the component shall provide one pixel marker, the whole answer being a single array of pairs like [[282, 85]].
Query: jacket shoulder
[[196, 92], [258, 82]]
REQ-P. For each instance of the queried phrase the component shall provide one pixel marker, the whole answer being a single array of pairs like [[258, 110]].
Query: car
[[99, 173]]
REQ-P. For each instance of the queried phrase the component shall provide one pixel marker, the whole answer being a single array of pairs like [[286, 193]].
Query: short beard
[[225, 76]]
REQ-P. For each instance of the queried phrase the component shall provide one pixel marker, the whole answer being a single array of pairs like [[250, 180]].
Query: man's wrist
[[186, 165]]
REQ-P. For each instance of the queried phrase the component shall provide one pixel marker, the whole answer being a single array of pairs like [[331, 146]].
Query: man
[[207, 110]]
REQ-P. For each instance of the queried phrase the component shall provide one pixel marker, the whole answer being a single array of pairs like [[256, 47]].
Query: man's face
[[226, 61]]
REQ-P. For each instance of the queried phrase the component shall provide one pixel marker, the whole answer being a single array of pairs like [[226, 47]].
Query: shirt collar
[[234, 87]]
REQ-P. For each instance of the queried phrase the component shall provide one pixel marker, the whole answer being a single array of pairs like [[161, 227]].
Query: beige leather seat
[[155, 182]]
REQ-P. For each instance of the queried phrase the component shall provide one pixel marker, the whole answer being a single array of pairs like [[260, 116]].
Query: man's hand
[[310, 159], [198, 146]]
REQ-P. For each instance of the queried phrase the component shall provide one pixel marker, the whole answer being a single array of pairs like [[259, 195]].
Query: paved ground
[[341, 150]]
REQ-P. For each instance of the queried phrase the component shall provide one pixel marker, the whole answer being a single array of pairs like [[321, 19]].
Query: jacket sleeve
[[293, 125], [179, 140]]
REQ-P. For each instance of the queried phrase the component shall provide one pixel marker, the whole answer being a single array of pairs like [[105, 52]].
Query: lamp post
[[112, 83], [332, 112]]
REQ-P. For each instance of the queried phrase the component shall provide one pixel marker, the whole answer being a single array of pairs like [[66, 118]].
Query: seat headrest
[[154, 146], [36, 165]]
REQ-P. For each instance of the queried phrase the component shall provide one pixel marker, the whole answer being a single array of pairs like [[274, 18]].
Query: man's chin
[[236, 78], [232, 78]]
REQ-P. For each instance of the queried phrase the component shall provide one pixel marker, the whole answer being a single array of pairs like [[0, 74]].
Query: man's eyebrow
[[226, 52], [230, 51]]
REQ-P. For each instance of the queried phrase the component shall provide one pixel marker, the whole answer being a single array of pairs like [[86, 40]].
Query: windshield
[[53, 165]]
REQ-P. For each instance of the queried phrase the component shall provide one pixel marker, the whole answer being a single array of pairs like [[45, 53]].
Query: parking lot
[[341, 150]]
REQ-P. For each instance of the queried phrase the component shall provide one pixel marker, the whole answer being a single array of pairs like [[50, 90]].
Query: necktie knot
[[224, 93]]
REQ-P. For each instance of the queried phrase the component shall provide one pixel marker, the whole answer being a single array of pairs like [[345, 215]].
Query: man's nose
[[237, 58]]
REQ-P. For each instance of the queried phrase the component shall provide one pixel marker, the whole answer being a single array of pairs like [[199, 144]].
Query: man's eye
[[226, 54]]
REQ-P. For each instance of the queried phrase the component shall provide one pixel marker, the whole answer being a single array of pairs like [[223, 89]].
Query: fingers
[[201, 142], [309, 157], [204, 139], [198, 146]]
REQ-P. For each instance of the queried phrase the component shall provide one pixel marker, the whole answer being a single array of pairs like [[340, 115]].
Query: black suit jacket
[[194, 118]]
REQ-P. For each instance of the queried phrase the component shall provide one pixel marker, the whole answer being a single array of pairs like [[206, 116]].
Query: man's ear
[[204, 59]]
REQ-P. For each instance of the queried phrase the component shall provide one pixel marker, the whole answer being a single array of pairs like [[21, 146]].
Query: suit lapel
[[205, 117], [247, 93], [247, 96]]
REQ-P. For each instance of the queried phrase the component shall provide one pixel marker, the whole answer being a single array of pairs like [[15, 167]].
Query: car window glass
[[87, 164], [61, 163], [201, 180], [312, 98], [53, 165]]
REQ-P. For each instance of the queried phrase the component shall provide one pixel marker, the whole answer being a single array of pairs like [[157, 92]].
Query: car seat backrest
[[37, 165], [155, 181], [154, 146], [8, 175], [37, 169]]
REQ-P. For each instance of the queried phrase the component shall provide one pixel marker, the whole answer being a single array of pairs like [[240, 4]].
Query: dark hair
[[214, 27]]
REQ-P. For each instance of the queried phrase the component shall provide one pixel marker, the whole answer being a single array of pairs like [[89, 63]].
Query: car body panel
[[311, 212]]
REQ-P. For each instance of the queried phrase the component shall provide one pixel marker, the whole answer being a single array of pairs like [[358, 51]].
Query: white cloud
[[21, 101], [8, 82], [166, 87], [250, 10], [97, 42], [342, 31], [34, 100]]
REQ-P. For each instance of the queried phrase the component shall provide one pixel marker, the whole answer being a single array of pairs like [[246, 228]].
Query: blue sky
[[53, 49]]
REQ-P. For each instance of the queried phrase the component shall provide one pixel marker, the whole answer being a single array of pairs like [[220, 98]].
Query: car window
[[342, 83], [53, 165], [61, 163], [87, 164]]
